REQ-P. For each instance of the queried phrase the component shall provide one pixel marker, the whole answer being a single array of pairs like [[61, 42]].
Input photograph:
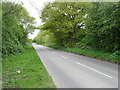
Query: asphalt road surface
[[70, 70]]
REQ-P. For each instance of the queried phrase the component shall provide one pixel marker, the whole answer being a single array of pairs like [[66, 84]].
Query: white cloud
[[34, 34], [33, 7]]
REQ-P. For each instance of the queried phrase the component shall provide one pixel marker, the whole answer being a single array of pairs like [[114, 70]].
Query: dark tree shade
[[15, 21]]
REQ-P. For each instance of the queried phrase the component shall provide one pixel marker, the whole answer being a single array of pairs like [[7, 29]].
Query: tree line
[[16, 24], [81, 25]]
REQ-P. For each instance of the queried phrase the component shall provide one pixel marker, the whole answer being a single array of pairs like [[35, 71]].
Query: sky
[[33, 7]]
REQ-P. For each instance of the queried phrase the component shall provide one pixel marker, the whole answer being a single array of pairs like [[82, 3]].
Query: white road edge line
[[64, 57], [94, 70]]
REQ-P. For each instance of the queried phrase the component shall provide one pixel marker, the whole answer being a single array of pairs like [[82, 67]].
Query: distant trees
[[82, 24], [44, 37], [15, 27]]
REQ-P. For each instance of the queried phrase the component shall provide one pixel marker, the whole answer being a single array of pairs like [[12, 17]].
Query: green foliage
[[0, 29], [15, 27], [32, 71], [83, 25], [44, 37], [117, 53], [102, 26], [89, 52], [65, 21]]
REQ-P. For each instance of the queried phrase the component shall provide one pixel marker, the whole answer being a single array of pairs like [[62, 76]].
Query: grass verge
[[25, 70], [91, 53]]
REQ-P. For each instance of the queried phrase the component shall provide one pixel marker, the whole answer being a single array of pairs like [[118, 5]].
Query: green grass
[[32, 72], [89, 52]]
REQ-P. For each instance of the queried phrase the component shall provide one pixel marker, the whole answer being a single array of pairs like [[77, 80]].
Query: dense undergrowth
[[15, 27]]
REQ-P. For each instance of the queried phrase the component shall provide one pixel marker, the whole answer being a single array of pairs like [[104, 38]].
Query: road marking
[[94, 70], [64, 57], [53, 52]]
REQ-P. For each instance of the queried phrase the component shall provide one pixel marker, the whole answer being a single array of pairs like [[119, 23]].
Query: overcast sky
[[33, 7]]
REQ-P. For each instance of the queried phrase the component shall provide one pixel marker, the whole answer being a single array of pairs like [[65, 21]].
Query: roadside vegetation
[[112, 57], [21, 66], [16, 24], [90, 29], [25, 70]]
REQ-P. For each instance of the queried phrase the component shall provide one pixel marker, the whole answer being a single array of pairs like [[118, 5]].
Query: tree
[[102, 26], [44, 37], [15, 20], [65, 21]]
